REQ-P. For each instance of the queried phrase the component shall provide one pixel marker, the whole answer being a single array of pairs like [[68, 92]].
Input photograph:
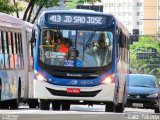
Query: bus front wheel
[[56, 105], [109, 107], [65, 106], [44, 105], [119, 108], [32, 103], [4, 104], [14, 104]]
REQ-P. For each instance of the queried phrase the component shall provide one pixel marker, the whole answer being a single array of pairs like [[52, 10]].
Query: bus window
[[5, 36], [1, 52], [0, 43], [30, 51], [21, 50], [16, 50], [31, 56], [11, 58], [98, 49], [94, 48], [47, 45]]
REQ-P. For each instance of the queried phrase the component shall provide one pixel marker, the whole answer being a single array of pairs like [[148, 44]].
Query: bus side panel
[[10, 83], [122, 70], [31, 84]]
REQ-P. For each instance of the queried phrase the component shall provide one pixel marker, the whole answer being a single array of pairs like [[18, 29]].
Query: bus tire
[[4, 105], [109, 107], [44, 104], [65, 106], [56, 106], [119, 108], [157, 109], [33, 103], [14, 104]]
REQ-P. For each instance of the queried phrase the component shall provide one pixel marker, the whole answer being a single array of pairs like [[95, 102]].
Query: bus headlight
[[40, 76], [108, 79]]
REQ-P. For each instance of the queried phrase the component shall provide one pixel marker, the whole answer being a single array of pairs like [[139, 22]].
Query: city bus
[[81, 57], [16, 62]]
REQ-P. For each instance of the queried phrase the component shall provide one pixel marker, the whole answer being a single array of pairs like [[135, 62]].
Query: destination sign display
[[75, 19]]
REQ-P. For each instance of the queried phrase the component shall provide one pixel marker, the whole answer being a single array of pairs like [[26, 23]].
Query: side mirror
[[33, 36], [34, 33]]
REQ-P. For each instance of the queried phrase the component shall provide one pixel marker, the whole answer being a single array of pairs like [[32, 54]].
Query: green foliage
[[71, 4], [145, 44], [19, 6], [6, 7], [40, 3], [89, 1], [47, 3]]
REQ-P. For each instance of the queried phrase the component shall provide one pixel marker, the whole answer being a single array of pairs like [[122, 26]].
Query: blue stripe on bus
[[73, 81]]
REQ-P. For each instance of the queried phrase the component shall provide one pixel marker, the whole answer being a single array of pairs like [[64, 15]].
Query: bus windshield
[[76, 48]]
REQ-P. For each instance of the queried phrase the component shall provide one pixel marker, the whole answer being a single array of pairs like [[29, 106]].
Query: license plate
[[137, 105], [73, 90]]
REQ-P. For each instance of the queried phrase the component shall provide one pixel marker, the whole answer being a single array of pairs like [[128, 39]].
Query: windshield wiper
[[90, 39]]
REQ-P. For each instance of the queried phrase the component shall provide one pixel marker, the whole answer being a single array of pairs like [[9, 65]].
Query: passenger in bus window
[[69, 46], [1, 62], [48, 46], [50, 42], [95, 46], [101, 53], [74, 53], [61, 47], [77, 55]]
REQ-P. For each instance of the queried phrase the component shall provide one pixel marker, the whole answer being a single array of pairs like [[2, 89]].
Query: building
[[135, 14]]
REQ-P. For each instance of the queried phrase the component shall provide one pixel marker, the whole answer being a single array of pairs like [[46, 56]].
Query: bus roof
[[11, 23], [29, 26], [10, 20]]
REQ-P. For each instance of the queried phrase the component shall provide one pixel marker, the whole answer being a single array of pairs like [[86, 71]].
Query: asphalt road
[[78, 112]]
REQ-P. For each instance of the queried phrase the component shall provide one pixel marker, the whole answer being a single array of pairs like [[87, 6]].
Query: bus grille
[[81, 94]]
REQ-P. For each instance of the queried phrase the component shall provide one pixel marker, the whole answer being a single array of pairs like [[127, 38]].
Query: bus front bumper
[[103, 92]]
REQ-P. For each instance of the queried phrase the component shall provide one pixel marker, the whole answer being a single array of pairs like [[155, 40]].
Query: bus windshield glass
[[76, 48]]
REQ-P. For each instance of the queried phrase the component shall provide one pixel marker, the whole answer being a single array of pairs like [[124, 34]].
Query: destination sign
[[75, 19]]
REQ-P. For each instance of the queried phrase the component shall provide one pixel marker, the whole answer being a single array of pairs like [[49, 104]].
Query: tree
[[89, 1], [41, 4], [145, 44], [11, 6], [6, 6], [71, 4]]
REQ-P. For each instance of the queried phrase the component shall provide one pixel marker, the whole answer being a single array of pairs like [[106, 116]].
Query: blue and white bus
[[89, 65]]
